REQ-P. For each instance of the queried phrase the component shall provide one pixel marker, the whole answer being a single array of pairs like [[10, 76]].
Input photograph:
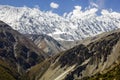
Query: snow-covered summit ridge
[[75, 25]]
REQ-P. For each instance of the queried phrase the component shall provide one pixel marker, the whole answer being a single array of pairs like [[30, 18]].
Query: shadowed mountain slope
[[17, 53]]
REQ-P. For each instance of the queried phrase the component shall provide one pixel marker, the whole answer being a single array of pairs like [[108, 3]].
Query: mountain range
[[95, 58], [39, 45], [69, 27]]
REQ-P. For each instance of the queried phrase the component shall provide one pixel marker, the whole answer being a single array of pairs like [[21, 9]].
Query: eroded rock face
[[99, 59], [75, 56]]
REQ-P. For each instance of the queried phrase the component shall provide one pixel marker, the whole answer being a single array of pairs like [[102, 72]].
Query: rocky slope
[[46, 43], [93, 59], [17, 53], [75, 25]]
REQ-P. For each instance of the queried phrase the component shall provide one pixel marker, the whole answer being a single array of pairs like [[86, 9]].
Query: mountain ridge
[[72, 27]]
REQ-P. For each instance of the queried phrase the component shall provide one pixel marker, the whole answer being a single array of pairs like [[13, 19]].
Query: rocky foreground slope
[[93, 59], [17, 53]]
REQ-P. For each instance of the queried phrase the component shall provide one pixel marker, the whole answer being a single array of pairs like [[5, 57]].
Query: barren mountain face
[[100, 56]]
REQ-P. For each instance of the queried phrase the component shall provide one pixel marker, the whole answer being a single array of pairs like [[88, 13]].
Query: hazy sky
[[62, 6]]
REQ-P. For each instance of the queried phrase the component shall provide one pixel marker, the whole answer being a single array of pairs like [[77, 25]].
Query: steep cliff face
[[100, 55], [17, 53]]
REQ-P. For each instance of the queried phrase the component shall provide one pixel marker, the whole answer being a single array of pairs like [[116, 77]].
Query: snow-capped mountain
[[72, 26]]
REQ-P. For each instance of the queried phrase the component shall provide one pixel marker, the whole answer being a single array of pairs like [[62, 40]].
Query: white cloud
[[78, 7], [77, 10], [100, 4], [106, 12], [79, 13], [95, 9], [54, 5], [93, 4], [37, 6]]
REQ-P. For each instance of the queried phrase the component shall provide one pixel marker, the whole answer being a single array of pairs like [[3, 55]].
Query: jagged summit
[[73, 26]]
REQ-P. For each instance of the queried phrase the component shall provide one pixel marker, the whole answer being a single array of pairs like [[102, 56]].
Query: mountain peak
[[34, 21]]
